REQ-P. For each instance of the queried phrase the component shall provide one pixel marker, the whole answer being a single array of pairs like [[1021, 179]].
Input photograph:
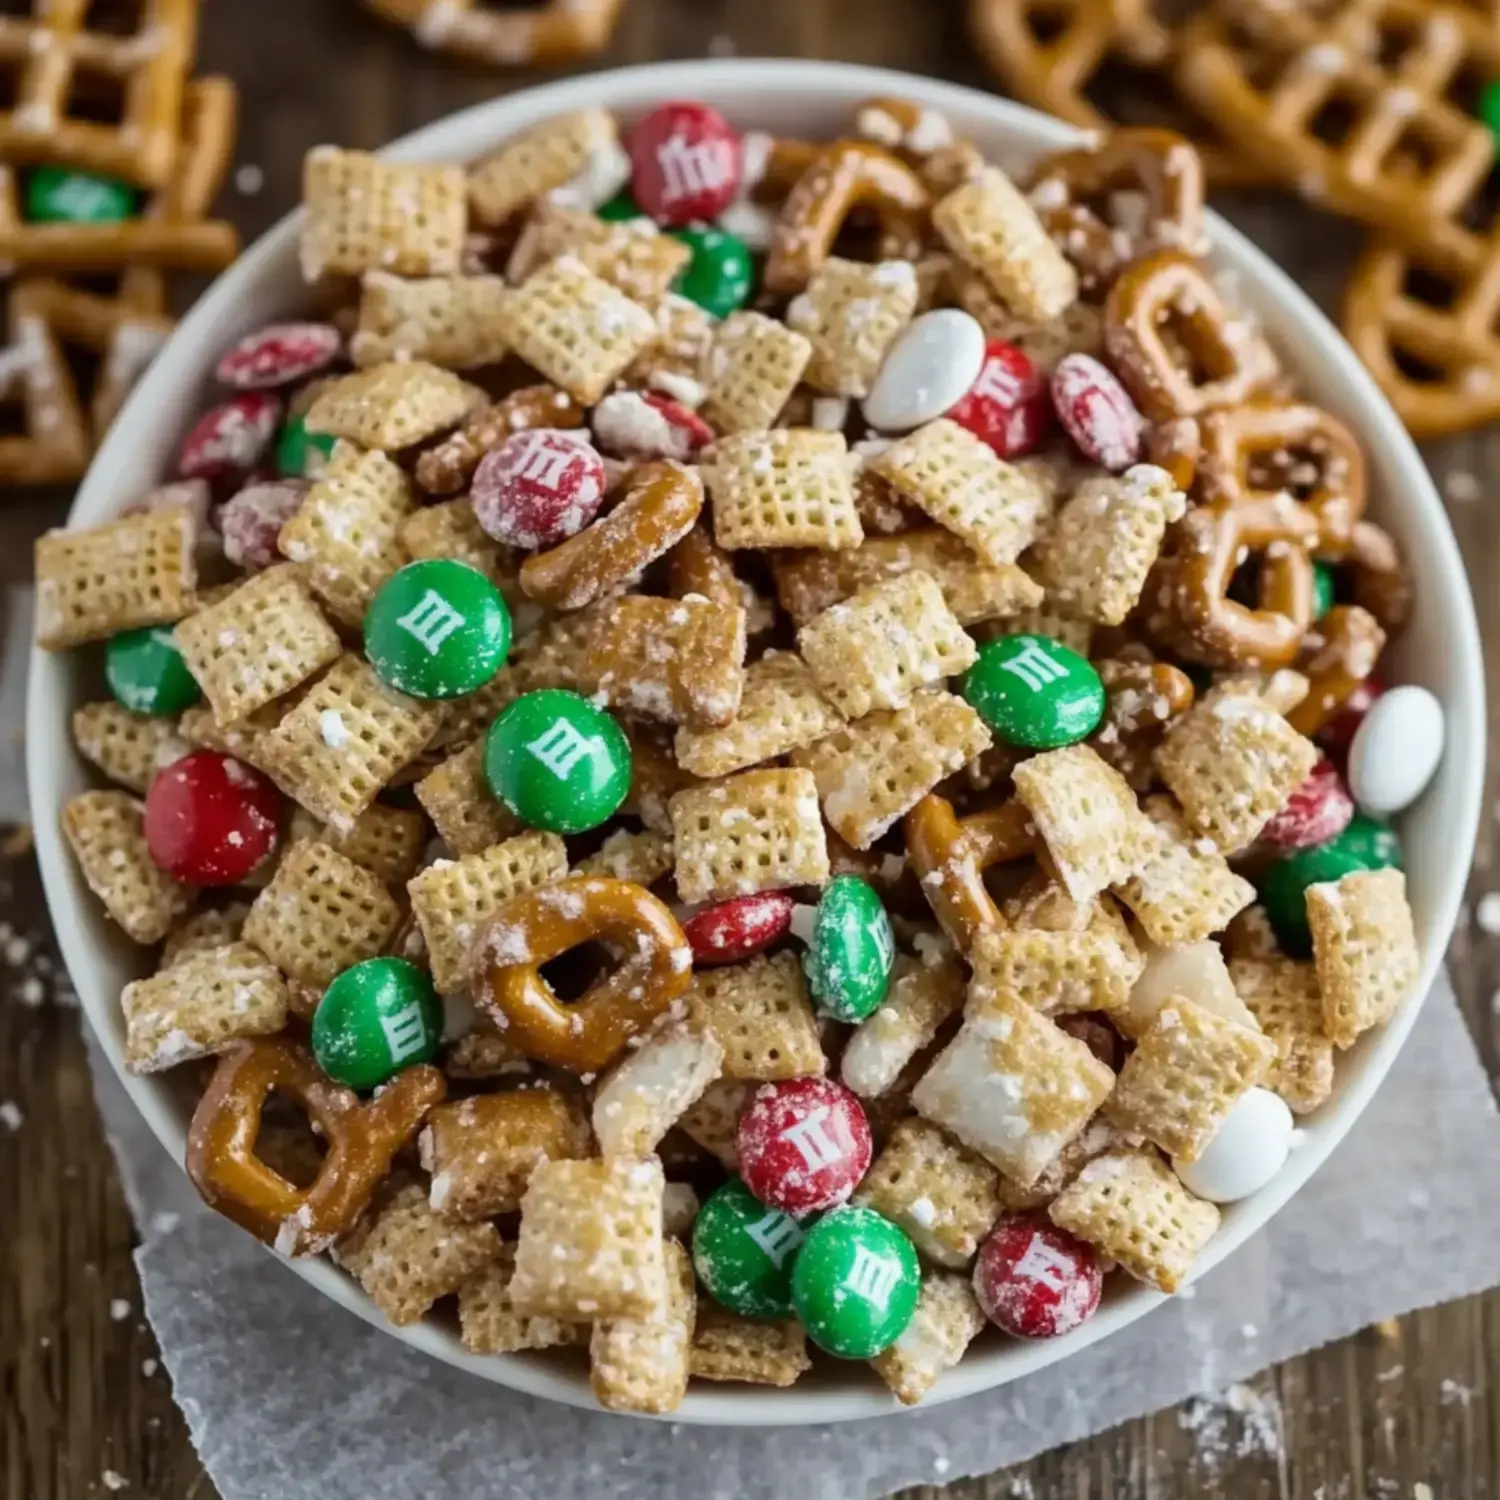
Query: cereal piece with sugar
[[1130, 1206], [200, 1004], [1187, 1072], [755, 831], [447, 320], [760, 1014], [347, 531], [632, 255], [1097, 1137], [877, 648], [451, 530], [922, 996], [646, 1093], [1196, 970], [480, 1152], [393, 405], [452, 897], [457, 797], [713, 1122], [751, 369], [1283, 996], [1232, 761], [655, 776], [729, 1347], [641, 1364], [488, 1324], [533, 163], [780, 710], [93, 583], [128, 748], [851, 314], [364, 214], [1013, 1086], [106, 831], [212, 927], [386, 840], [958, 481], [642, 857], [791, 487], [1364, 950], [988, 224], [320, 914], [575, 329], [406, 1257], [942, 1194], [874, 770], [591, 1244], [256, 645], [1087, 815], [947, 1320]]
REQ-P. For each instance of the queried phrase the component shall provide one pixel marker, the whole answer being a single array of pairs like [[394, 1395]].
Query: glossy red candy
[[685, 163], [1036, 1281], [1008, 406], [538, 487], [804, 1144], [1097, 413], [251, 520], [645, 425], [1317, 811], [279, 354], [1337, 734], [230, 438], [211, 819], [736, 929]]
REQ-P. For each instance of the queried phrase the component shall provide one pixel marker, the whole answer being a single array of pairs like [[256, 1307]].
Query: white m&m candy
[[1250, 1149], [930, 368], [1396, 750]]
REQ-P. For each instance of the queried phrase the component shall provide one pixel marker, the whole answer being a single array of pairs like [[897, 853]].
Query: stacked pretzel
[[911, 781], [111, 154]]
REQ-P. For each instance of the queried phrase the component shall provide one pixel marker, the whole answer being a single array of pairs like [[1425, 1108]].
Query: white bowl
[[1440, 649]]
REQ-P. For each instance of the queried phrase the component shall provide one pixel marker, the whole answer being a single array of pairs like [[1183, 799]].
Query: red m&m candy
[[1320, 809], [1096, 412], [685, 163], [1338, 733], [738, 928], [538, 488], [643, 424], [1035, 1280], [279, 354], [1007, 406], [250, 521], [230, 438], [210, 819], [804, 1144]]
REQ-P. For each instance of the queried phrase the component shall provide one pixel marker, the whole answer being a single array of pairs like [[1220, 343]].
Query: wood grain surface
[[84, 1408]]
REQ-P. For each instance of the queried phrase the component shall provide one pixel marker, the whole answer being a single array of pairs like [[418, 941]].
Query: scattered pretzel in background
[[558, 33]]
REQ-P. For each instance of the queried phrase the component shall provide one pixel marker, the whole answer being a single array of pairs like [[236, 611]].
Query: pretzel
[[949, 856], [1340, 653], [843, 177], [559, 32], [1176, 445], [659, 508], [537, 926], [362, 1139], [1145, 698], [449, 464], [1172, 285], [1072, 192], [920, 136], [1382, 581]]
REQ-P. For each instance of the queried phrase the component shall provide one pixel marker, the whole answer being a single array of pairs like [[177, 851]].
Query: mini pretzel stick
[[658, 510], [446, 467], [362, 1140], [843, 177], [1350, 642]]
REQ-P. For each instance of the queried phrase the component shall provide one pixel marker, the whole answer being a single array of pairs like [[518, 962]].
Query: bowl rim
[[626, 89]]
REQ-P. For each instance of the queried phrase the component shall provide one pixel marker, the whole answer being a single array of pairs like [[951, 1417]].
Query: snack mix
[[755, 747]]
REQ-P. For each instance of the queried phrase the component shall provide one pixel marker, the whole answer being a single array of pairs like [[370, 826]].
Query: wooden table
[[1379, 1415]]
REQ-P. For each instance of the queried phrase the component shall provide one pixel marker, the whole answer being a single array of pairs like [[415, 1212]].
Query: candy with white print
[[278, 354], [851, 950], [743, 1252], [375, 1019], [538, 488], [739, 928], [804, 1145], [1250, 1148], [1008, 406], [1035, 692], [1317, 811], [855, 1284], [721, 274], [933, 363], [1396, 750], [250, 521], [230, 438], [210, 819], [646, 425], [1097, 413], [685, 163], [1036, 1281]]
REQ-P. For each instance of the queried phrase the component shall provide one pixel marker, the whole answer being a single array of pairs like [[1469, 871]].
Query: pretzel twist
[[1340, 653]]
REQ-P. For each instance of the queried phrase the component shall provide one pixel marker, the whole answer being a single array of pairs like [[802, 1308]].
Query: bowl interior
[[1440, 649]]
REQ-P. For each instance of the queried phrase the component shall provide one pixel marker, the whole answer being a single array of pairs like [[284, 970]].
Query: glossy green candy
[[621, 208], [437, 629], [146, 672], [57, 195], [742, 1252], [1489, 107], [1323, 590], [1363, 845], [375, 1019], [848, 960], [301, 454], [1035, 692], [855, 1283], [557, 762], [720, 275]]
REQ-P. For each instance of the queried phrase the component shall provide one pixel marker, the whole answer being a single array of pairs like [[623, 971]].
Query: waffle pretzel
[[537, 926], [841, 178], [559, 32], [659, 508], [361, 1139], [949, 856], [1341, 654]]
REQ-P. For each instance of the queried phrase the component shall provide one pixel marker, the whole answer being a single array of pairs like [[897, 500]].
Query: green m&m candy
[[855, 1283], [557, 762], [1363, 845], [851, 950], [437, 629], [57, 195], [743, 1252], [1489, 106], [1323, 590], [1035, 692], [146, 672], [720, 274], [621, 208], [375, 1019], [301, 454]]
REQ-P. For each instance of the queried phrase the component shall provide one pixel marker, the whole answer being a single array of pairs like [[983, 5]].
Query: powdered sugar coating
[[538, 488], [1036, 1281], [1096, 412], [804, 1144]]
